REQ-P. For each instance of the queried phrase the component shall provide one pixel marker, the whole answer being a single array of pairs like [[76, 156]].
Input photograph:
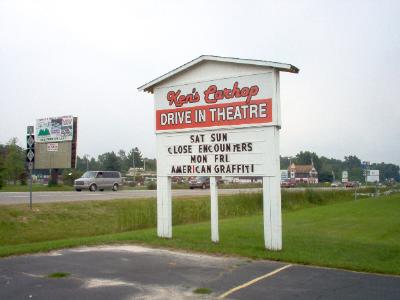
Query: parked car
[[200, 182], [287, 184], [351, 184], [98, 180], [336, 184]]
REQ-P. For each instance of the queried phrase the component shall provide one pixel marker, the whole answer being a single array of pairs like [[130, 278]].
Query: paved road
[[133, 272], [42, 197]]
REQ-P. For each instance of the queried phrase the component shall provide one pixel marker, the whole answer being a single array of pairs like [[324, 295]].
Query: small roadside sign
[[30, 141], [30, 146], [52, 147], [29, 130], [30, 155]]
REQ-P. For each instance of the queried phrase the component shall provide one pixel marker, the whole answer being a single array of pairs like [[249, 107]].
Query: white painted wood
[[164, 207], [277, 98], [272, 213], [267, 213], [264, 81], [196, 114], [261, 138], [184, 73], [272, 205], [168, 209], [276, 206], [214, 210], [276, 219]]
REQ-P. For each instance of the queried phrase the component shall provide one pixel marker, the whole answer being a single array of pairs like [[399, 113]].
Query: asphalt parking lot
[[136, 272]]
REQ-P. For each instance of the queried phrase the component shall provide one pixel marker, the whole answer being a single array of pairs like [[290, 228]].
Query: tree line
[[330, 169], [121, 161], [13, 168]]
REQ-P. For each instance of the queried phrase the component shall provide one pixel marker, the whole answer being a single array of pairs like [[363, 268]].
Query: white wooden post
[[214, 210], [164, 207], [272, 203], [272, 213]]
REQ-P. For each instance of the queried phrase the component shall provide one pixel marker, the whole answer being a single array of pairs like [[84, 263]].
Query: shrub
[[151, 185]]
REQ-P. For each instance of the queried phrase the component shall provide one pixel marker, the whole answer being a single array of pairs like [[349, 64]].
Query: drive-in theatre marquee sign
[[218, 116]]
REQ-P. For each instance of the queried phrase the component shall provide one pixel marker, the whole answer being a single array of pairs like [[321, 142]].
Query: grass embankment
[[36, 188], [175, 186], [52, 221], [360, 235]]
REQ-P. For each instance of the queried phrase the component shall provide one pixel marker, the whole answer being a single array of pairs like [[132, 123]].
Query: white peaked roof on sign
[[148, 87]]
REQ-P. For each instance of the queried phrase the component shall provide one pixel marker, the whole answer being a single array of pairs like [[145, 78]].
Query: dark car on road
[[200, 182]]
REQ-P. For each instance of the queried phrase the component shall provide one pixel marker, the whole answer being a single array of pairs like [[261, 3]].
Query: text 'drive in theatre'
[[259, 111], [220, 152], [229, 102]]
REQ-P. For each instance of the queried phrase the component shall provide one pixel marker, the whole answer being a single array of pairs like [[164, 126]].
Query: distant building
[[303, 173]]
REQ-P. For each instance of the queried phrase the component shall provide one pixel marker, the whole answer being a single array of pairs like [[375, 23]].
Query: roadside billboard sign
[[54, 129], [345, 176], [219, 116], [284, 175], [372, 176], [218, 127], [56, 140]]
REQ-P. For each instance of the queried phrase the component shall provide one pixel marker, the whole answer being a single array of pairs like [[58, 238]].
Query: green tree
[[69, 175], [151, 164], [386, 171], [109, 161], [2, 168], [135, 155], [14, 163], [353, 164], [124, 161], [306, 158], [284, 161]]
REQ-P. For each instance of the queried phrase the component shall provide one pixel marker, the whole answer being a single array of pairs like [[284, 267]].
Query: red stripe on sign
[[255, 112]]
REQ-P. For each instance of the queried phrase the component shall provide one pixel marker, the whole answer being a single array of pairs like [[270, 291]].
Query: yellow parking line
[[253, 281]]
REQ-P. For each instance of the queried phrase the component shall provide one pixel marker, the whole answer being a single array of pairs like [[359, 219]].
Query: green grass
[[361, 235], [58, 275], [203, 291], [53, 221]]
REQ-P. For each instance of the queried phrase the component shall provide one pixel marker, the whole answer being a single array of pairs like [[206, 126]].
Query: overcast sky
[[87, 58]]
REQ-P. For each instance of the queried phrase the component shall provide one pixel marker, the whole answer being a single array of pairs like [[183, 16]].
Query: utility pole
[[86, 156], [133, 164]]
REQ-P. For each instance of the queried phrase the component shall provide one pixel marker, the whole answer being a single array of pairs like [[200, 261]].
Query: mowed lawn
[[362, 235]]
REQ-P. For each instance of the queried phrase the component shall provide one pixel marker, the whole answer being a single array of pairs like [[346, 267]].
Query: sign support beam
[[30, 188], [214, 209], [30, 158], [272, 213], [272, 203], [164, 207]]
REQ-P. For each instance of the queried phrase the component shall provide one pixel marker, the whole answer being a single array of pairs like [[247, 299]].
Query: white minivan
[[98, 180]]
